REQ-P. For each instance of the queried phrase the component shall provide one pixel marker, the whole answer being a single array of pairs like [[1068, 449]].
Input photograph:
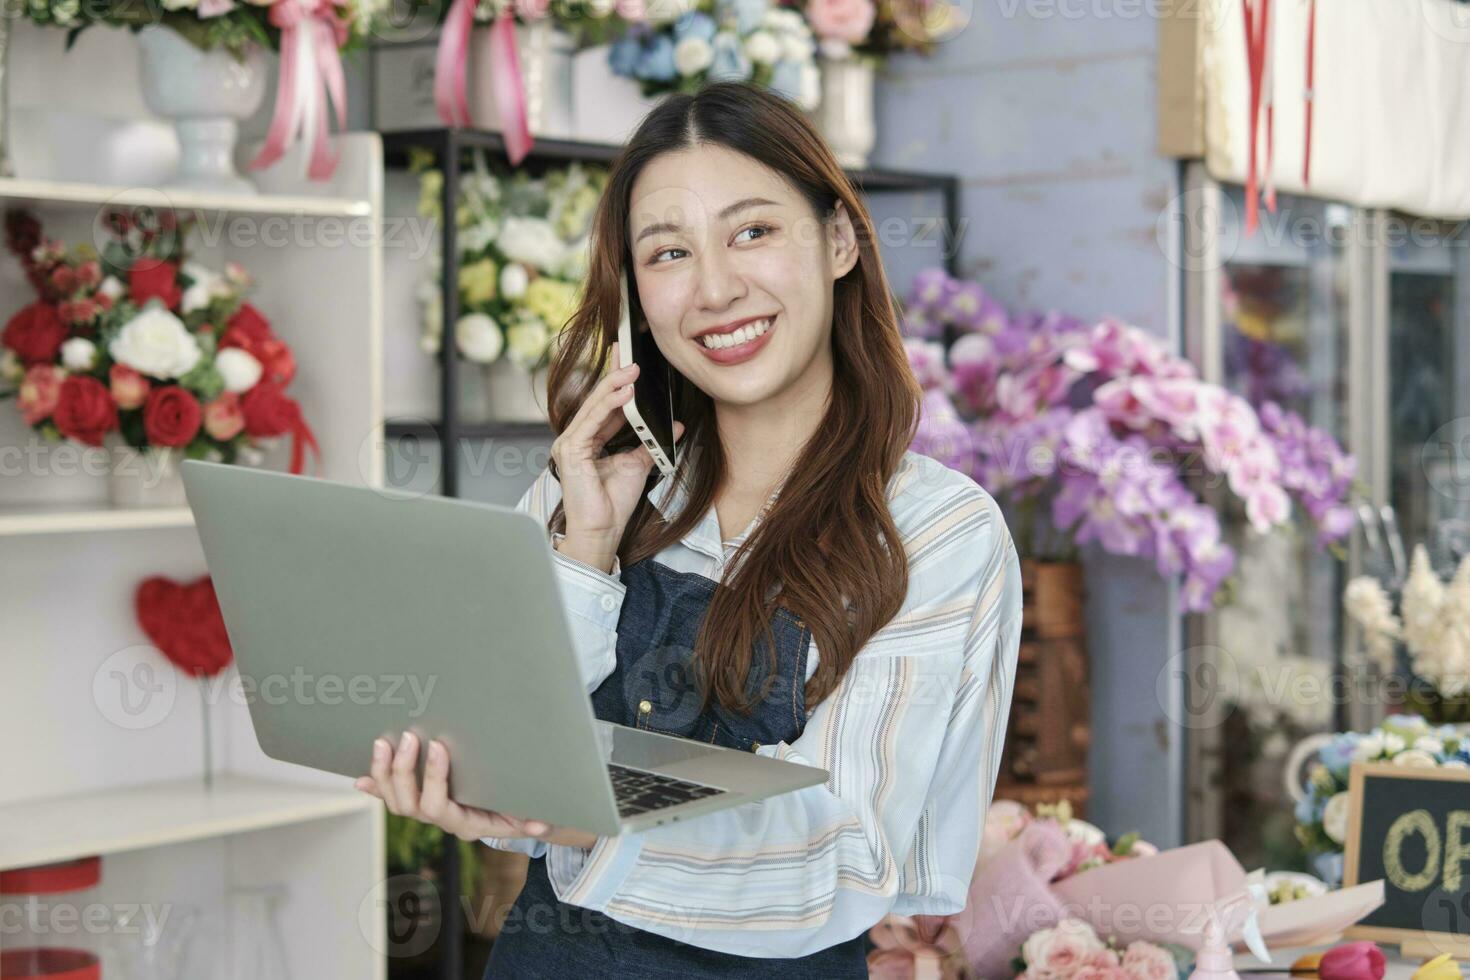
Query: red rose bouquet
[[140, 342]]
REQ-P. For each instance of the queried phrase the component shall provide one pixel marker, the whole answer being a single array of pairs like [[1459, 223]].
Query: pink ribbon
[[451, 68], [311, 68]]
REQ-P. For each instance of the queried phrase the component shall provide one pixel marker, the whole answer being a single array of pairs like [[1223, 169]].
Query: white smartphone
[[651, 409]]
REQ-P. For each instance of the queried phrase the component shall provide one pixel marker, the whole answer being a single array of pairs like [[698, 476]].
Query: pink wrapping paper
[[1164, 898], [1010, 899]]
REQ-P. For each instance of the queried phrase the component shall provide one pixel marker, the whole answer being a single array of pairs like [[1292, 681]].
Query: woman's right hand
[[600, 493]]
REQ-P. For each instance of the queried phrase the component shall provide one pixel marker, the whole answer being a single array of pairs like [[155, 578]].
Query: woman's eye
[[657, 255], [763, 228]]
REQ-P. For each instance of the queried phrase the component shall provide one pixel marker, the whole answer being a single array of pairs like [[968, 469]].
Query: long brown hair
[[829, 537]]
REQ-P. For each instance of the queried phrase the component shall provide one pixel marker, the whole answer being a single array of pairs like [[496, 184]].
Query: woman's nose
[[719, 280]]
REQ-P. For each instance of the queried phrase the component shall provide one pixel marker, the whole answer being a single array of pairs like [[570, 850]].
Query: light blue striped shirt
[[911, 738]]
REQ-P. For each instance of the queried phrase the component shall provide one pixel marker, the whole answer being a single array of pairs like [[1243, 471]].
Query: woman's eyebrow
[[740, 205]]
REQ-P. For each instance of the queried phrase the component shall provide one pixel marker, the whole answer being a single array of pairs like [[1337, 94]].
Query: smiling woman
[[802, 585]]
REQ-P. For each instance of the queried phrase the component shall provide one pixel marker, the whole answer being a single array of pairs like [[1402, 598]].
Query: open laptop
[[357, 612]]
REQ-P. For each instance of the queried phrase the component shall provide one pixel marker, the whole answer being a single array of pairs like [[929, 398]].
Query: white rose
[[1415, 759], [156, 343], [513, 280], [1085, 833], [78, 354], [692, 56], [1392, 744], [1368, 748], [526, 341], [111, 287], [660, 12], [578, 258], [532, 241], [11, 369], [180, 4], [478, 337], [762, 47], [206, 285], [1430, 744], [240, 368], [1335, 817], [794, 47], [1455, 764]]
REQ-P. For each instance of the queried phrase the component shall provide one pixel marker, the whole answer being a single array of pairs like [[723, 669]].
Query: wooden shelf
[[424, 429], [556, 152], [153, 814], [64, 192], [69, 519]]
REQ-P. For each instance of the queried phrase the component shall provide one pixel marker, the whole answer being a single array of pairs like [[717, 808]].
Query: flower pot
[[403, 97], [1045, 755], [204, 93], [514, 394], [845, 115], [146, 478], [606, 106]]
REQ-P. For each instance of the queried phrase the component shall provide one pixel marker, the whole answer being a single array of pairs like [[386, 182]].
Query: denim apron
[[653, 687]]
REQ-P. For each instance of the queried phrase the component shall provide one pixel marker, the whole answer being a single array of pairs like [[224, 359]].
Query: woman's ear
[[841, 241]]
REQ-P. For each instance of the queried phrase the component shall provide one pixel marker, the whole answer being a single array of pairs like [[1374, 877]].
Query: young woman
[[806, 587]]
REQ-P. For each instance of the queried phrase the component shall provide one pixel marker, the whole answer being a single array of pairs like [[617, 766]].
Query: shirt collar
[[669, 496]]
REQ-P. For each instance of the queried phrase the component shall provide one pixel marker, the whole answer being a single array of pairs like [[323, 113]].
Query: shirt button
[[644, 707], [609, 602]]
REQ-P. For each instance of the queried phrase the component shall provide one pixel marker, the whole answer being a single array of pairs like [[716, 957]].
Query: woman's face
[[718, 240]]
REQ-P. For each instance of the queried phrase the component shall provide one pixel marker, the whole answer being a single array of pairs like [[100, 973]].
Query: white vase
[[606, 107], [146, 478], [403, 97], [204, 93], [515, 395], [845, 115]]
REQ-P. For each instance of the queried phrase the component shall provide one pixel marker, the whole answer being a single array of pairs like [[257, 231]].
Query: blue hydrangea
[[1337, 755], [1309, 807], [730, 62], [747, 14], [623, 56], [694, 23], [786, 79], [658, 60]]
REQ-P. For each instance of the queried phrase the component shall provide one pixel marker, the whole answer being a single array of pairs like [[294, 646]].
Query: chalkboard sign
[[1410, 826]]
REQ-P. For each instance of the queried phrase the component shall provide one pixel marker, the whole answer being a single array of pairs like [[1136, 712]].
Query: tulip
[[1361, 960], [1441, 967]]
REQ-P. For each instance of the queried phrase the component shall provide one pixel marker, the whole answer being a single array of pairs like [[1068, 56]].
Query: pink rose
[[40, 389], [1058, 952], [632, 11], [223, 417], [528, 10], [129, 388], [1146, 961], [842, 20], [1003, 821]]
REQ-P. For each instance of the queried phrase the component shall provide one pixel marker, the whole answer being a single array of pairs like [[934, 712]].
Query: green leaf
[[204, 380]]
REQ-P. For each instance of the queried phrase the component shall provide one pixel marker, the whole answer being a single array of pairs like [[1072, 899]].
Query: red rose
[[251, 332], [171, 416], [269, 411], [35, 333], [154, 279], [89, 274], [85, 411]]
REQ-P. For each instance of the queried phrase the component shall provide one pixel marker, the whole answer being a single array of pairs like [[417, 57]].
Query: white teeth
[[735, 338]]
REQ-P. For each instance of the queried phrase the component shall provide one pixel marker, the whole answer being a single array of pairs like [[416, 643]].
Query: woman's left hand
[[394, 781]]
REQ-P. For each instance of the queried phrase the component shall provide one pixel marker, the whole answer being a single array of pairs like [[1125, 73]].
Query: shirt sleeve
[[593, 600], [911, 739]]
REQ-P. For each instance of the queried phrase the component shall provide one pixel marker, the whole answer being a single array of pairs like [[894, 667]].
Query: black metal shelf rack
[[447, 147]]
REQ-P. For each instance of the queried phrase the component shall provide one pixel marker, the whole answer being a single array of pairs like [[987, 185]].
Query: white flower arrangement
[[524, 246], [1433, 623]]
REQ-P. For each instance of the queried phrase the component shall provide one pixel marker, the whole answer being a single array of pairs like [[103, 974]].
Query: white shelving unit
[[107, 735]]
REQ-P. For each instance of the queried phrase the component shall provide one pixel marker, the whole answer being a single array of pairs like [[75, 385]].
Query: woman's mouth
[[737, 345]]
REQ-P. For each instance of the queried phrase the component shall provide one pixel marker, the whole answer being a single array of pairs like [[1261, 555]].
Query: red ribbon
[[301, 434], [311, 69], [450, 68], [1309, 96], [1255, 53]]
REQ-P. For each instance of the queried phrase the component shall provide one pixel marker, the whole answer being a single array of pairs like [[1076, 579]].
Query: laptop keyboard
[[638, 791]]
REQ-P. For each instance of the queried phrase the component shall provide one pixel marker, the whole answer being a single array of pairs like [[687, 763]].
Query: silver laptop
[[356, 613]]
